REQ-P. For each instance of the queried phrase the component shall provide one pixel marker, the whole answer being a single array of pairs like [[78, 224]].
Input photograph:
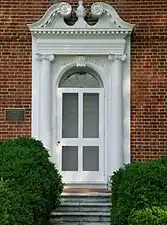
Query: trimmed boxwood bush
[[153, 216], [13, 209], [31, 183], [138, 186]]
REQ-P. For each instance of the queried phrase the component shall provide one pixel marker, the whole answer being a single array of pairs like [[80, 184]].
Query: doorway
[[80, 143]]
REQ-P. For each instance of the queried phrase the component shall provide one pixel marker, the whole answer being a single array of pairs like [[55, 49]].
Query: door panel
[[90, 115], [70, 115], [81, 133], [69, 158], [90, 158]]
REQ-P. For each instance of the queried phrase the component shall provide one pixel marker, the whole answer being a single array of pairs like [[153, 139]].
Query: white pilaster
[[45, 98], [116, 111]]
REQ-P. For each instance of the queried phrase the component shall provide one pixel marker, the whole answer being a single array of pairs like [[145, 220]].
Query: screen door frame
[[81, 176]]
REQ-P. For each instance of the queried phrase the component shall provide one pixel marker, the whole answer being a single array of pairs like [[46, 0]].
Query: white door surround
[[103, 50]]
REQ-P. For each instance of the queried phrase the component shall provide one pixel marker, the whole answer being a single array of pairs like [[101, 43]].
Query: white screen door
[[81, 134]]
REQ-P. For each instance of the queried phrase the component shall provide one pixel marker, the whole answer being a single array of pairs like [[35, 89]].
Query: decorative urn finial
[[80, 12]]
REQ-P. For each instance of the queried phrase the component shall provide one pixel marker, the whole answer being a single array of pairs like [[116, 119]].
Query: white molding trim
[[63, 9], [71, 32], [52, 23], [99, 48], [86, 46], [80, 61]]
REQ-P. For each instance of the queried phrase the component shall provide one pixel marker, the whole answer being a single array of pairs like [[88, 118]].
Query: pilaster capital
[[49, 57], [121, 57]]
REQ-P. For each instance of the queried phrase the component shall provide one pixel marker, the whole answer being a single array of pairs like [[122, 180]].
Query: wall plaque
[[14, 114]]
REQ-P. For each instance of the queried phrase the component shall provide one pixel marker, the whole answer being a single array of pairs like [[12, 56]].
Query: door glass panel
[[91, 158], [80, 80], [90, 115], [69, 158], [70, 115]]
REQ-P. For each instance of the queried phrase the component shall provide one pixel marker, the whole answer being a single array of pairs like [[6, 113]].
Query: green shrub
[[13, 210], [25, 162], [153, 216], [138, 186]]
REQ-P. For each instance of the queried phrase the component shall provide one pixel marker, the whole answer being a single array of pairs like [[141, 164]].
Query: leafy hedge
[[30, 184], [13, 209], [138, 186], [153, 216]]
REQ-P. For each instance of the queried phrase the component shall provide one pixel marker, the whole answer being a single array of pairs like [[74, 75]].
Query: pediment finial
[[80, 12]]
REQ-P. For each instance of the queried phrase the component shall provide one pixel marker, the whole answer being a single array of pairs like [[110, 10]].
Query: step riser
[[87, 200], [81, 219], [79, 223], [83, 209]]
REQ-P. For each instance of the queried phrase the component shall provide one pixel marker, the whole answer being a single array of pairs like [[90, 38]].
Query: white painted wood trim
[[80, 129], [94, 176], [59, 41]]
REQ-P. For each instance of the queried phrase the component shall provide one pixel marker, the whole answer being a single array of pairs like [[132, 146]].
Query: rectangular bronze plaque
[[14, 114]]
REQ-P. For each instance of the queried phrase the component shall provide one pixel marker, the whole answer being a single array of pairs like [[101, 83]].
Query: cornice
[[59, 32], [53, 23]]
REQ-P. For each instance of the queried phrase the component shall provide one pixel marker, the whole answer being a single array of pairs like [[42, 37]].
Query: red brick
[[148, 69]]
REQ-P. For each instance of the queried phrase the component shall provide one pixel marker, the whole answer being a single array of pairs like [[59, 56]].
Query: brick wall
[[15, 61], [149, 69]]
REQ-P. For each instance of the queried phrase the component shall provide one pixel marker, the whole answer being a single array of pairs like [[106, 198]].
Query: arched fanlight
[[80, 80]]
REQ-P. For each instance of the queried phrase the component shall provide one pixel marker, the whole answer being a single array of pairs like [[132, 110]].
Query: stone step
[[79, 198], [81, 216], [53, 222], [84, 207]]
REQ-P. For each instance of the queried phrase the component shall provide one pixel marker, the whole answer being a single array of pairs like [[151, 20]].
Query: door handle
[[58, 142]]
